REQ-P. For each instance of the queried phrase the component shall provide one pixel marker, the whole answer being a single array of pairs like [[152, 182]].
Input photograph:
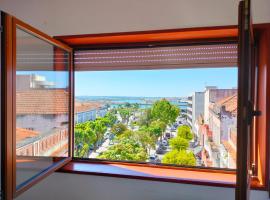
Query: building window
[[173, 105]]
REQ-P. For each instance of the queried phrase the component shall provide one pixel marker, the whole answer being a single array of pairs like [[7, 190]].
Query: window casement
[[27, 51], [32, 107]]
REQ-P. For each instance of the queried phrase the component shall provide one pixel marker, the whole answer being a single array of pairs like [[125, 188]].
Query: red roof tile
[[42, 101], [22, 134], [83, 107], [230, 104]]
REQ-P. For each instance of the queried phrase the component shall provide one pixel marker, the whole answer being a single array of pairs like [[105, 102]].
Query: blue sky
[[153, 83], [60, 78]]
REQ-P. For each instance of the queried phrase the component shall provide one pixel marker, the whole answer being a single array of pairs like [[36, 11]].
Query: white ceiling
[[65, 17]]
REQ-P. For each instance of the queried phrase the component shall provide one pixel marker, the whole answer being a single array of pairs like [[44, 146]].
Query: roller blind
[[217, 55]]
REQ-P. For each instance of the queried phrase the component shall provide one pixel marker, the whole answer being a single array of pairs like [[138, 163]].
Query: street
[[162, 146]]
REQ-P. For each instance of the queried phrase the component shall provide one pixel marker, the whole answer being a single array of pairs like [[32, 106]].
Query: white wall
[[86, 187], [62, 17]]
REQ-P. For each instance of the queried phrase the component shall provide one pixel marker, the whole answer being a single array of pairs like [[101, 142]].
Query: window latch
[[256, 113], [252, 113]]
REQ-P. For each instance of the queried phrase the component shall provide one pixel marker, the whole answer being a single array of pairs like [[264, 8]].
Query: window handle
[[252, 113], [256, 113]]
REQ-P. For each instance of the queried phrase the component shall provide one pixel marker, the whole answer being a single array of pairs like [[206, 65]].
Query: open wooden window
[[38, 71], [38, 99], [247, 84]]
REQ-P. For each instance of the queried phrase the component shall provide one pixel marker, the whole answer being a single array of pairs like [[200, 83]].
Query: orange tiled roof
[[230, 103], [22, 134], [42, 101], [229, 149], [83, 107]]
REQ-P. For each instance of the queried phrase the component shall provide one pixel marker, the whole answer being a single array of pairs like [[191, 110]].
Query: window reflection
[[42, 105]]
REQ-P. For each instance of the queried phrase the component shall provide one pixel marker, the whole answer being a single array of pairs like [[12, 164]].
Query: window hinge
[[253, 170]]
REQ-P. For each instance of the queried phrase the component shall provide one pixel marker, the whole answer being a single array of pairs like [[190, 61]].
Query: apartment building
[[32, 81], [88, 111], [195, 107], [189, 111], [219, 135], [212, 95], [35, 108]]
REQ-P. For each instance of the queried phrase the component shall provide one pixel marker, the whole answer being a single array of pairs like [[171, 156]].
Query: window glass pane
[[184, 116], [42, 105]]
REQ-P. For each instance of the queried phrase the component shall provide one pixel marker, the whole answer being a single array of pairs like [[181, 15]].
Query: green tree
[[164, 111], [99, 128], [126, 149], [113, 111], [127, 134], [118, 129], [136, 106], [125, 113], [178, 143], [145, 118], [146, 140], [157, 128], [84, 139], [181, 157], [185, 132], [110, 116], [128, 105]]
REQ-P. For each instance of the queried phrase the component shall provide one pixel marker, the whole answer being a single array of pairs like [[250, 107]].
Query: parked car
[[164, 142], [173, 128], [153, 158], [168, 135], [161, 149]]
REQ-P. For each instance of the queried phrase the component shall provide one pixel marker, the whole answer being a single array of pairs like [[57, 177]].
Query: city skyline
[[153, 83]]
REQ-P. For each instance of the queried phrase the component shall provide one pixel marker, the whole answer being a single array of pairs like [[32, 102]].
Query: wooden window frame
[[189, 36], [9, 101]]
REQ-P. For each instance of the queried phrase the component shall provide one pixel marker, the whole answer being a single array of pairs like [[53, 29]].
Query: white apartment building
[[32, 81], [88, 111], [195, 107]]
